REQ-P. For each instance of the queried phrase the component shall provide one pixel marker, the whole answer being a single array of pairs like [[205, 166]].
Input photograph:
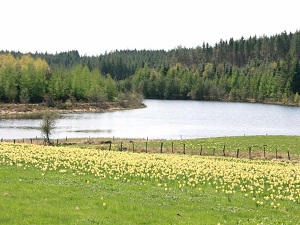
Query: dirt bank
[[28, 110]]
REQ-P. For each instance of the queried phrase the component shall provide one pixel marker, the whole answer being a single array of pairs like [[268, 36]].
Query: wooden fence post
[[201, 150], [109, 146], [214, 151], [172, 147], [289, 157], [224, 150], [57, 142], [14, 141], [237, 152], [249, 152], [30, 140], [121, 146], [184, 148], [265, 151], [276, 153], [161, 147], [66, 138], [146, 146]]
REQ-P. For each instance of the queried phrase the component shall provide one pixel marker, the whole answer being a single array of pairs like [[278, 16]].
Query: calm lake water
[[166, 119]]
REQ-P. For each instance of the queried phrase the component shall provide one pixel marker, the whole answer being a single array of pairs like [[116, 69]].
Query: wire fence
[[169, 147]]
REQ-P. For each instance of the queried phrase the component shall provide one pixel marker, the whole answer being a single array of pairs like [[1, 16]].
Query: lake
[[167, 119]]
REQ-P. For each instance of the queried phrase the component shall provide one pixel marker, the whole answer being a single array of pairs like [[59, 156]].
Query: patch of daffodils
[[267, 183]]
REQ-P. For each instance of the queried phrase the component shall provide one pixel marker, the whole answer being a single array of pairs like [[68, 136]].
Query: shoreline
[[8, 110], [18, 110]]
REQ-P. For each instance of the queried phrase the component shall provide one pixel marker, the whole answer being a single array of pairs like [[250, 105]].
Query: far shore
[[35, 110], [17, 110]]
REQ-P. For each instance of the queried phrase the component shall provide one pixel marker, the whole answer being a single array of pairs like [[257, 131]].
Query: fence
[[251, 152]]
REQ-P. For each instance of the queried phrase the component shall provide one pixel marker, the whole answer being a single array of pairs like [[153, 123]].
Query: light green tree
[[24, 96], [97, 94], [111, 88]]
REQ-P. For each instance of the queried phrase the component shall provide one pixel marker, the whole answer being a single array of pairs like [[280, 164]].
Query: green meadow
[[209, 146], [27, 197], [71, 185]]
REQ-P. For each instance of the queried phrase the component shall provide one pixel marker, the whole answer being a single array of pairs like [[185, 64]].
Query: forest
[[256, 69]]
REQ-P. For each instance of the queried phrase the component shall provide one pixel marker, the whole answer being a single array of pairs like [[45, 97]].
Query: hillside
[[256, 69]]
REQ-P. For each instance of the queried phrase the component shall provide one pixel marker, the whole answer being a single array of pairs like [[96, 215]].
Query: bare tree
[[48, 124]]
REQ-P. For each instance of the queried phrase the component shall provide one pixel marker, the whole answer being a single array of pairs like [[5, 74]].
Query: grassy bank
[[67, 185], [262, 147], [219, 146]]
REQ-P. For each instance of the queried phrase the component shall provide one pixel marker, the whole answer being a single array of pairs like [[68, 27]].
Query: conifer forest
[[257, 69]]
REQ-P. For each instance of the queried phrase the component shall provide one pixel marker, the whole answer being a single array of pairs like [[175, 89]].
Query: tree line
[[259, 69], [29, 80], [267, 82]]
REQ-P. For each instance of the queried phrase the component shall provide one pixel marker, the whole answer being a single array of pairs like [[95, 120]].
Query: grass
[[209, 146], [28, 197], [257, 143], [50, 185]]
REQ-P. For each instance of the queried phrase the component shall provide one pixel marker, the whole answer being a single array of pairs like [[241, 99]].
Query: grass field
[[71, 185], [210, 146], [192, 146]]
